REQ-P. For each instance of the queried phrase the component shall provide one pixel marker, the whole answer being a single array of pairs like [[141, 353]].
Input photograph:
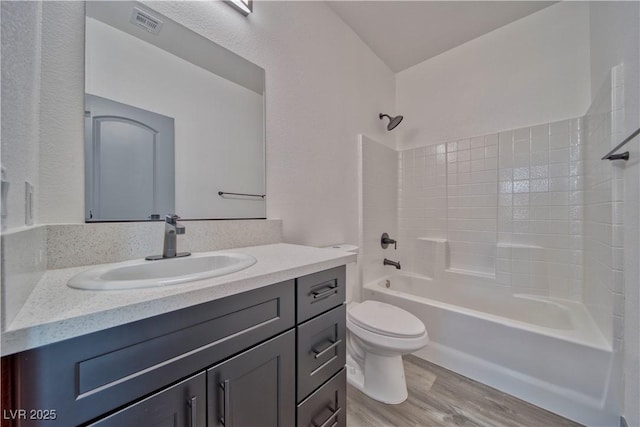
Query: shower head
[[393, 121]]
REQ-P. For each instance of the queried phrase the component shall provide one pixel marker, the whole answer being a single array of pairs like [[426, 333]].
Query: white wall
[[324, 86], [21, 29], [219, 125], [615, 39], [23, 249], [61, 125], [532, 71], [379, 194], [23, 259]]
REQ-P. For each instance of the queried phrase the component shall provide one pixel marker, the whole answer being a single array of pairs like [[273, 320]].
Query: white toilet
[[378, 334]]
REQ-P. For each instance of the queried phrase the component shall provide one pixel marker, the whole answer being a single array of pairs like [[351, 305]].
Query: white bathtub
[[546, 351]]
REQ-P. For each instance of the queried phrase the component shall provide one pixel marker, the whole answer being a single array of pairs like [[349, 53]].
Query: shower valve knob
[[385, 241]]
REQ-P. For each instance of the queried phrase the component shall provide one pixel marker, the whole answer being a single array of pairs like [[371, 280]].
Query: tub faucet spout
[[394, 263]]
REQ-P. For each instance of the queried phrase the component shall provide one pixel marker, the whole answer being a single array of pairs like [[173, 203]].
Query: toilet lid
[[386, 319]]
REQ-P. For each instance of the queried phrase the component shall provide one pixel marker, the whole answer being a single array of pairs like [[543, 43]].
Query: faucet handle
[[171, 219], [385, 241]]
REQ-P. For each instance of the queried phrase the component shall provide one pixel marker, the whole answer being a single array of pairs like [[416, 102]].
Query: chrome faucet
[[171, 230], [394, 263]]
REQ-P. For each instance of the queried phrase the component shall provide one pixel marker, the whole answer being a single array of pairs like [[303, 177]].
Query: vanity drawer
[[321, 349], [327, 406], [319, 292]]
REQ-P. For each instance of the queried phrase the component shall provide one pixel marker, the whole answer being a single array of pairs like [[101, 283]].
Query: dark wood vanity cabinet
[[321, 349], [250, 359]]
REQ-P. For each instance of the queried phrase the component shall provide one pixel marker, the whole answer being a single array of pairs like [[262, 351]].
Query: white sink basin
[[146, 274]]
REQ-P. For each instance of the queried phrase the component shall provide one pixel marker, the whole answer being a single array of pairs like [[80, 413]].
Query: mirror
[[174, 123]]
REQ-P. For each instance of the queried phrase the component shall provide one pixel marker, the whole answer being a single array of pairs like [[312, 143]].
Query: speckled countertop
[[54, 312]]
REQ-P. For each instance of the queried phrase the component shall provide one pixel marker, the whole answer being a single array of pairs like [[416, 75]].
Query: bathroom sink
[[146, 274]]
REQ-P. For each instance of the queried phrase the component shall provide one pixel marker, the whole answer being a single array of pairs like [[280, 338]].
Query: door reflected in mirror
[[171, 120]]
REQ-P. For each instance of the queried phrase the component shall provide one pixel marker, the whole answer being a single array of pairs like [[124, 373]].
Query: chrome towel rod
[[621, 156], [224, 193]]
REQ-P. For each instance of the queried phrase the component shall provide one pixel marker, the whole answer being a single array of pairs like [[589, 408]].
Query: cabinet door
[[254, 388], [182, 405]]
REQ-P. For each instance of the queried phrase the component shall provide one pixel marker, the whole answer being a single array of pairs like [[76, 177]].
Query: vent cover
[[146, 21]]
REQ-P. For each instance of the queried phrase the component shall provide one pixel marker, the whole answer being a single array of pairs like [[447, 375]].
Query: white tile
[[539, 185], [521, 173], [540, 143], [521, 186], [521, 146], [559, 140], [491, 151], [539, 158], [477, 142], [522, 134], [559, 127], [492, 139], [521, 159], [540, 132]]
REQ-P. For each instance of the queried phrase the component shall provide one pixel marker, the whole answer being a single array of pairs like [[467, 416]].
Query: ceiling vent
[[146, 21]]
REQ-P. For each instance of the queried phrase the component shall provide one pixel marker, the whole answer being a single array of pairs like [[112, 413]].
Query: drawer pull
[[328, 420], [194, 413], [329, 347], [324, 294], [324, 365], [226, 403]]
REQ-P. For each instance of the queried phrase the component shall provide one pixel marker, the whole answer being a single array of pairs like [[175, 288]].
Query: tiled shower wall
[[535, 208], [541, 209], [471, 204], [603, 227], [509, 204], [422, 202]]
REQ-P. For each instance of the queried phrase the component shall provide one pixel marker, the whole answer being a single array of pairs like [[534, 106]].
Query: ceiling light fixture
[[243, 6]]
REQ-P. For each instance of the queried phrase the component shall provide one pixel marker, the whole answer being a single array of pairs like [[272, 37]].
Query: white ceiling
[[405, 33]]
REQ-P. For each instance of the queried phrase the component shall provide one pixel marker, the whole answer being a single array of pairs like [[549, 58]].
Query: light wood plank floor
[[439, 397]]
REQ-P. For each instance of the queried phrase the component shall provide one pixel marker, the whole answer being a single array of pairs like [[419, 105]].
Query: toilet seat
[[386, 320]]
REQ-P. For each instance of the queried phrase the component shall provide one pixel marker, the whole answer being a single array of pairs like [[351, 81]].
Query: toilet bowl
[[378, 334]]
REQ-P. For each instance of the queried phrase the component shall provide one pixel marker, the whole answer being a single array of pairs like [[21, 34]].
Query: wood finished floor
[[439, 397]]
